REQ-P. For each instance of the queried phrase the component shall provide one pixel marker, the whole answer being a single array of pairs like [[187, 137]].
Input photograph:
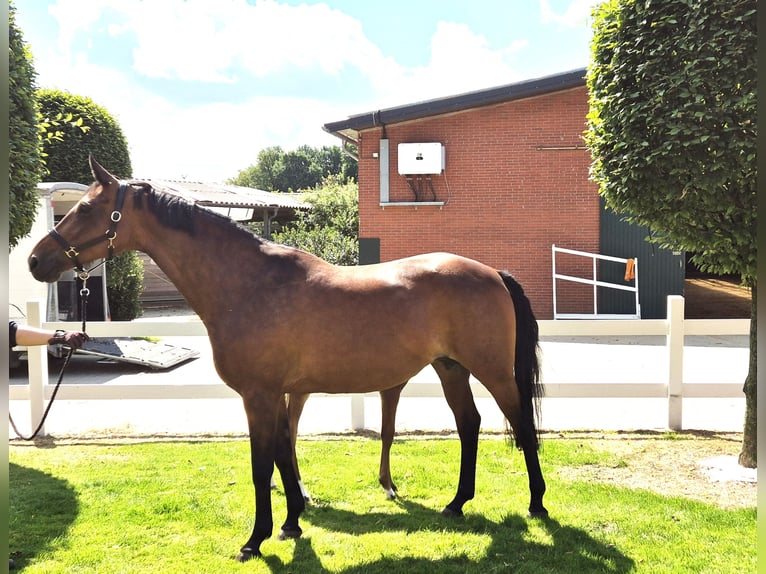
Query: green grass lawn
[[181, 507]]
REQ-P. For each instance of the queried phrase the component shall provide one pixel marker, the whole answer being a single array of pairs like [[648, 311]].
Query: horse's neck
[[207, 267]]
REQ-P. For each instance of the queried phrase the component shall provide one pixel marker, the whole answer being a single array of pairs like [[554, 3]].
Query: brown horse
[[283, 321]]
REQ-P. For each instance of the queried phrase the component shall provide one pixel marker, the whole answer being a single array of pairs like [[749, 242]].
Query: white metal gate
[[595, 283]]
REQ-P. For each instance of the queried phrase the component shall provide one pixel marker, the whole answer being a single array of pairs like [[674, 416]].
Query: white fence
[[674, 328]]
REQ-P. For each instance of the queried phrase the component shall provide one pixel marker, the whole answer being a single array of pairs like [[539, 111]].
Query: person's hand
[[73, 339]]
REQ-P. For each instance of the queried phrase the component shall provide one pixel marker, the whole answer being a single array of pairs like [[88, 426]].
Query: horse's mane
[[176, 212]]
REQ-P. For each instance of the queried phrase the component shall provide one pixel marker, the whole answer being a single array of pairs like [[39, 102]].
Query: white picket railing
[[674, 328]]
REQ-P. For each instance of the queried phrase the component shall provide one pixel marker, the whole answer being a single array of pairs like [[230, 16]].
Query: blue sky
[[199, 87]]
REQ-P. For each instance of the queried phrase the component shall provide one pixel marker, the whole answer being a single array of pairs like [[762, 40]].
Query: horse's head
[[87, 232]]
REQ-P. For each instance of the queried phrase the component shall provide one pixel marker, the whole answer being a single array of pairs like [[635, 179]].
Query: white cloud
[[461, 61], [200, 40], [208, 142], [213, 142], [227, 41], [575, 14], [74, 17]]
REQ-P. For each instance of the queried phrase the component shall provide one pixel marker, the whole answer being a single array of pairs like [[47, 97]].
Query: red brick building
[[509, 179]]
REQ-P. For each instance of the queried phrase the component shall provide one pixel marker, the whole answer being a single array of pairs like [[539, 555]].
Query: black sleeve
[[12, 334]]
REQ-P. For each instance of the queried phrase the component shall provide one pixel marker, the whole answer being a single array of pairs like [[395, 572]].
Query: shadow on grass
[[42, 507], [568, 550]]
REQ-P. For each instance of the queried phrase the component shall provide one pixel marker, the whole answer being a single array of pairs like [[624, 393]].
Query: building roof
[[350, 128], [225, 195]]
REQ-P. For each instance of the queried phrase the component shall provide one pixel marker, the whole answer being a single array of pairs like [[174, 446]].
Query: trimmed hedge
[[25, 160], [68, 157]]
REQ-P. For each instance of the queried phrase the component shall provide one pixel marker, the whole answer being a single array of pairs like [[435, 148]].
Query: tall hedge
[[25, 165], [672, 131], [68, 157], [672, 123]]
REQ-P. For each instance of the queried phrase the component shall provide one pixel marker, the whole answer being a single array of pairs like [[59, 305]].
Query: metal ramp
[[138, 352]]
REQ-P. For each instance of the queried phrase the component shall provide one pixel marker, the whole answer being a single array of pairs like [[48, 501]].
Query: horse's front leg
[[262, 415]]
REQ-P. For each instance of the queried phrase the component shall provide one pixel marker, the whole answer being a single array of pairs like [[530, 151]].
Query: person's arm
[[28, 336]]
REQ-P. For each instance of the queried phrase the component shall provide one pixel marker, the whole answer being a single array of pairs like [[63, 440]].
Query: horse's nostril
[[32, 262]]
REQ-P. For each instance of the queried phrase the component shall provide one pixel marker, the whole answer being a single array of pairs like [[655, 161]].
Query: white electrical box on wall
[[420, 158]]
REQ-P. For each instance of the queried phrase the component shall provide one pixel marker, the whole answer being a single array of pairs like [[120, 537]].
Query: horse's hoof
[[390, 493], [289, 534], [451, 513], [538, 513], [246, 554]]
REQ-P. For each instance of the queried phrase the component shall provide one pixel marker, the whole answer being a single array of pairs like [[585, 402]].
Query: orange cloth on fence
[[630, 269]]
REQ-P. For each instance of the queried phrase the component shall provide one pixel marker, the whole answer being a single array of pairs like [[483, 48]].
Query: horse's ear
[[99, 173]]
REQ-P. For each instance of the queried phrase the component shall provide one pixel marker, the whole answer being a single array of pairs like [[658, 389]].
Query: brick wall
[[506, 201]]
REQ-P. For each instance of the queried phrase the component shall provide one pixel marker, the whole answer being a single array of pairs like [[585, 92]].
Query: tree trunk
[[749, 455]]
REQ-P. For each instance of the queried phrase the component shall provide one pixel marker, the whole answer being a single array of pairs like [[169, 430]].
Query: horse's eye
[[85, 208]]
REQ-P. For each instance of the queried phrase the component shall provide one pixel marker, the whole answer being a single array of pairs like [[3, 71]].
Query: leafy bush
[[324, 242], [125, 281], [330, 229]]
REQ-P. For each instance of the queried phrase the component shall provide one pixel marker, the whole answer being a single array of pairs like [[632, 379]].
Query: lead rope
[[84, 292]]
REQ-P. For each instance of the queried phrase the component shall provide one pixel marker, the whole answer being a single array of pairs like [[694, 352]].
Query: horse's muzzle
[[42, 272]]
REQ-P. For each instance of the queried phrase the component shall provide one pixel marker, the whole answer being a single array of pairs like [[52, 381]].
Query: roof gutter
[[509, 92]]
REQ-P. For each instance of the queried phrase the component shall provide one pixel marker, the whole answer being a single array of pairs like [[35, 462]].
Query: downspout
[[383, 160], [267, 222]]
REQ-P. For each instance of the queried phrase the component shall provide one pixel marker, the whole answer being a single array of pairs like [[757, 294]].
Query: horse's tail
[[527, 363]]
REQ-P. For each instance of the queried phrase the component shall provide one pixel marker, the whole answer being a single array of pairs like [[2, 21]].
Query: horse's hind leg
[[523, 425], [389, 400], [526, 437], [455, 384]]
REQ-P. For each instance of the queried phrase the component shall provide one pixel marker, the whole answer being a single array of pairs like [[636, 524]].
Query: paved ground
[[597, 359]]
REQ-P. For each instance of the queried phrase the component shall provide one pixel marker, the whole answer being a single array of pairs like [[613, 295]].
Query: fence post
[[37, 360], [357, 412], [675, 347]]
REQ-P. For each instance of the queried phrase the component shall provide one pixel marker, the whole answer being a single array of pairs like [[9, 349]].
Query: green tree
[[67, 160], [264, 173], [330, 229], [330, 160], [302, 168], [672, 132], [26, 168], [299, 170]]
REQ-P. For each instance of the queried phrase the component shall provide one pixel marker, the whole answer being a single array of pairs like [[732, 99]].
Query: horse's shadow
[[568, 549], [52, 506]]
